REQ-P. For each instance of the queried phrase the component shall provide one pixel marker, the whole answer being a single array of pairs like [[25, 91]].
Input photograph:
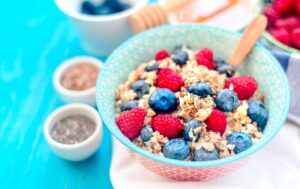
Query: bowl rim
[[181, 163]]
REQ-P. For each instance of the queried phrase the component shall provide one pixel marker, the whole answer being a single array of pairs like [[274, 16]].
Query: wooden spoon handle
[[173, 5], [251, 34]]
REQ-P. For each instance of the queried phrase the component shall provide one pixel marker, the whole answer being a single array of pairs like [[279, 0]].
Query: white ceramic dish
[[79, 151], [100, 34], [70, 96]]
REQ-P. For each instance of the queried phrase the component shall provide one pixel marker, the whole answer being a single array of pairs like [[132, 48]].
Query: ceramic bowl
[[79, 151], [142, 48], [268, 40], [86, 96]]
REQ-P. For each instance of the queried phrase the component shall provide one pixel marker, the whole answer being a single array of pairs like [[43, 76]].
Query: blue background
[[35, 37]]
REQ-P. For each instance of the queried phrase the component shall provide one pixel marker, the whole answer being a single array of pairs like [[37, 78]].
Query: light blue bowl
[[141, 48]]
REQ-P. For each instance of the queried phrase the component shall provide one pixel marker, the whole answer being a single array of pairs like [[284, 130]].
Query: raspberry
[[271, 14], [244, 86], [216, 121], [296, 38], [131, 122], [282, 35], [167, 78], [167, 125], [298, 8], [160, 55], [205, 58], [285, 7], [289, 23]]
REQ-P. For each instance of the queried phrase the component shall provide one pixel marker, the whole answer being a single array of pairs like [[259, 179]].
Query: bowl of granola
[[182, 111]]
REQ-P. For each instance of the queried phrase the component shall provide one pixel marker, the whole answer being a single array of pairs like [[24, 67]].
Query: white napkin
[[275, 166]]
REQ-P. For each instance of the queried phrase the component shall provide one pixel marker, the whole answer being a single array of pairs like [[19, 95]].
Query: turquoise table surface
[[35, 37]]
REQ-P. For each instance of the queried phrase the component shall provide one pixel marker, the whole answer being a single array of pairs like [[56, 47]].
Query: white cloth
[[275, 166]]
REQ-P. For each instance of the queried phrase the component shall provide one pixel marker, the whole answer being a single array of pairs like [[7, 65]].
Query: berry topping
[[146, 132], [128, 105], [167, 125], [284, 7], [282, 35], [216, 121], [296, 38], [226, 68], [160, 55], [240, 140], [169, 79], [188, 131], [131, 122], [258, 113], [205, 58], [176, 149], [180, 57], [152, 67], [140, 87], [88, 7], [271, 14], [227, 100], [179, 48], [200, 89], [244, 86], [104, 10], [289, 23], [204, 155], [163, 101]]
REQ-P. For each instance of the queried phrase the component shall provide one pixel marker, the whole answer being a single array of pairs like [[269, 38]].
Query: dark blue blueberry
[[204, 155], [146, 133], [128, 105], [117, 6], [88, 7], [176, 149], [241, 141], [227, 100], [219, 61], [200, 89], [258, 113], [190, 126], [163, 101], [104, 10], [140, 87], [152, 67], [227, 69], [180, 58], [178, 48]]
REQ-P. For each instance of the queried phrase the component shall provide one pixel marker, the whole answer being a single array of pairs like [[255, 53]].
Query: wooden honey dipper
[[250, 35], [154, 15]]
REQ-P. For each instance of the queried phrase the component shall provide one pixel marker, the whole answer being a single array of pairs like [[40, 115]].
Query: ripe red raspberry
[[216, 121], [167, 78], [244, 86], [167, 125], [271, 14], [290, 23], [131, 122], [282, 35], [160, 55], [205, 57], [298, 8], [296, 38], [285, 7]]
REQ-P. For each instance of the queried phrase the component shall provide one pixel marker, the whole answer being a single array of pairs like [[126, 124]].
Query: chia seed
[[73, 129]]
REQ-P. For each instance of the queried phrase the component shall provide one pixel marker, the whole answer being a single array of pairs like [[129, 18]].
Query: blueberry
[[227, 100], [176, 149], [117, 6], [163, 101], [146, 133], [258, 113], [204, 155], [180, 58], [188, 126], [128, 105], [200, 89], [227, 69], [88, 7], [104, 10], [241, 141], [219, 61], [140, 87], [178, 48], [152, 67]]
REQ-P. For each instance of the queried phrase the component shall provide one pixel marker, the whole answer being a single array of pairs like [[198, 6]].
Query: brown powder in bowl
[[80, 77]]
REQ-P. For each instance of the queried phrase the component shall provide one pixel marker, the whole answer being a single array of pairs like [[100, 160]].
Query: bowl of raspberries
[[283, 29], [171, 98]]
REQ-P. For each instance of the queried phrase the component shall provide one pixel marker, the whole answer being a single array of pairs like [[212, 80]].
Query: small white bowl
[[87, 96], [79, 151]]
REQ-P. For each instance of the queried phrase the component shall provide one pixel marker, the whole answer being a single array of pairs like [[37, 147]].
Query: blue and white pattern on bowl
[[260, 64]]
